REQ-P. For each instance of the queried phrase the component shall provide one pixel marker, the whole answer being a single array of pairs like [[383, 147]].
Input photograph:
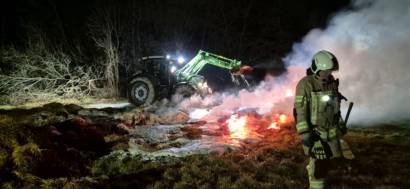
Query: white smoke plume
[[372, 44], [272, 95]]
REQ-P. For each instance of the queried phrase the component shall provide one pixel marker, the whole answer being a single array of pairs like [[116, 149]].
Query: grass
[[8, 104], [63, 155]]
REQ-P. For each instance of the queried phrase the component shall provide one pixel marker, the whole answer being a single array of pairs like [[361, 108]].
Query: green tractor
[[162, 77]]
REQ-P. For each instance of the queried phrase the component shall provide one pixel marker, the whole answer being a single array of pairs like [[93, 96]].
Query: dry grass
[[277, 162], [30, 158], [55, 99]]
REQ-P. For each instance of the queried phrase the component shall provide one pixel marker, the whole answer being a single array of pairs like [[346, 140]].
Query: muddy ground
[[67, 146]]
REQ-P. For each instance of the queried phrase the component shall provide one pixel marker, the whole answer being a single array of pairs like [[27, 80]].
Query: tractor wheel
[[184, 91], [141, 91]]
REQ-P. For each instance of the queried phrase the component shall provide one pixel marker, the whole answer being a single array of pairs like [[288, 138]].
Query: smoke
[[274, 95], [372, 44]]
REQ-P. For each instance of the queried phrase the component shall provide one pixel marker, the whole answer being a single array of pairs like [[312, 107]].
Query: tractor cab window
[[149, 66], [163, 71], [161, 65]]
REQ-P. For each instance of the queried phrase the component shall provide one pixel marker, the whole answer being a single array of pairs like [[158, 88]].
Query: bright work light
[[325, 98]]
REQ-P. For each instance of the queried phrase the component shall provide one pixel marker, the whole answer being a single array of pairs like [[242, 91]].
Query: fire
[[237, 126], [274, 125], [252, 125], [288, 93], [283, 118], [278, 119]]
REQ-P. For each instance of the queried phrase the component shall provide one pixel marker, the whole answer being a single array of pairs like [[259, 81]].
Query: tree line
[[110, 36]]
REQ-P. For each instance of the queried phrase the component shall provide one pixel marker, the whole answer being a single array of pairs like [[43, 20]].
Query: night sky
[[256, 32]]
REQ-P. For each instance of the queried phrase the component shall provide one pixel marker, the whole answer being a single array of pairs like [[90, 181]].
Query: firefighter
[[318, 118]]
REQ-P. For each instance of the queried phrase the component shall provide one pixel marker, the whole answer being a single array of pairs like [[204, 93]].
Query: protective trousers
[[317, 169]]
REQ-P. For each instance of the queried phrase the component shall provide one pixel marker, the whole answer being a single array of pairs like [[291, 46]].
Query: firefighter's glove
[[318, 151], [307, 139]]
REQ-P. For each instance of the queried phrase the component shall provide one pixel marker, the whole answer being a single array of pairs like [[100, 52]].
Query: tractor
[[162, 77]]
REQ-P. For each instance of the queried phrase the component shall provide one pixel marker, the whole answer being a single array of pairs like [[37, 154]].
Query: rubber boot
[[314, 183]]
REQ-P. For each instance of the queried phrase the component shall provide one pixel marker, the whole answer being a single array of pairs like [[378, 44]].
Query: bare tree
[[39, 73], [104, 28]]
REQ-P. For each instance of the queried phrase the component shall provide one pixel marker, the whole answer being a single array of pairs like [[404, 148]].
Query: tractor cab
[[160, 67]]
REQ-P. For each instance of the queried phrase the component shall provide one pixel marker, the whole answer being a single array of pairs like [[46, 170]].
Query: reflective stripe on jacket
[[317, 105]]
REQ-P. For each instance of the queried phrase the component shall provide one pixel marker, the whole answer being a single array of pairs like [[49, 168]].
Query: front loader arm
[[203, 58]]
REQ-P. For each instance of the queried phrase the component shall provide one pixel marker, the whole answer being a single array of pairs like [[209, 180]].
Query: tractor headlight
[[173, 69], [202, 85], [181, 60]]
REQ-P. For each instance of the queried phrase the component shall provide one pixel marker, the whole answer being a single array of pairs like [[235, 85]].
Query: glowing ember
[[274, 125], [283, 118], [250, 125], [288, 93], [237, 126]]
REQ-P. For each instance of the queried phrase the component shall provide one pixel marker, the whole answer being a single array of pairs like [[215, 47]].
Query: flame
[[278, 120], [237, 126], [283, 118], [250, 125], [274, 125], [288, 93]]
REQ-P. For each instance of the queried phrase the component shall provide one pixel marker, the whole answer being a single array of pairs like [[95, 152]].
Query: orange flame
[[237, 126], [283, 118], [274, 125], [288, 93], [278, 120], [251, 125]]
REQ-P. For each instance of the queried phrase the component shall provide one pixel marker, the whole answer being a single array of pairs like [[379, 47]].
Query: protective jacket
[[317, 104], [317, 109]]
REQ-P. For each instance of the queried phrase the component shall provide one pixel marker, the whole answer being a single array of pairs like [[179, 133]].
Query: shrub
[[39, 73]]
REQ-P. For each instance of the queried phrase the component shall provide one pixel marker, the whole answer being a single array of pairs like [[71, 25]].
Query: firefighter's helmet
[[324, 61]]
